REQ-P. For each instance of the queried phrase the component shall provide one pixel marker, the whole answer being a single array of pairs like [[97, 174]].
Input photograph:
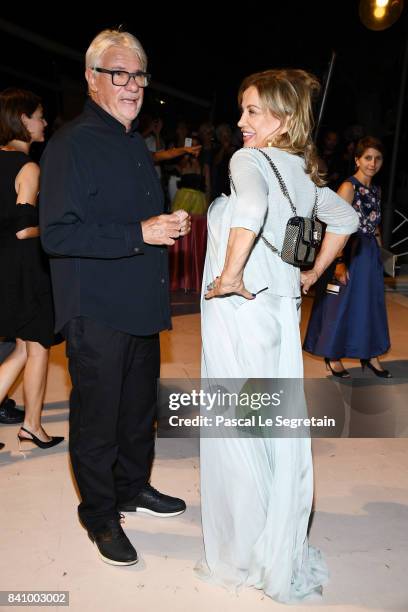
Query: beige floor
[[361, 519]]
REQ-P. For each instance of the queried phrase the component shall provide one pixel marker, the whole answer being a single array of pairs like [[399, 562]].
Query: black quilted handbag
[[303, 235]]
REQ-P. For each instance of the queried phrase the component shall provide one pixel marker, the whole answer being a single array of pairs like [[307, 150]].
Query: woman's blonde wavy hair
[[288, 94]]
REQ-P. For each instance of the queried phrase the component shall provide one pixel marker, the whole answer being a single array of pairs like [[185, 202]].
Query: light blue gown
[[256, 493]]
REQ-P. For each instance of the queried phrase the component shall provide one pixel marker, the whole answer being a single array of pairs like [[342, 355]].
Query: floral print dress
[[353, 321]]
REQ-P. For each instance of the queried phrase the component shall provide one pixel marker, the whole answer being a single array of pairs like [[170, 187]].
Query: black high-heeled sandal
[[380, 373], [53, 442], [342, 374]]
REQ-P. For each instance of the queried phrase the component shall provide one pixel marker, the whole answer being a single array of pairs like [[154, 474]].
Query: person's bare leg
[[337, 365], [35, 378], [376, 363], [11, 367]]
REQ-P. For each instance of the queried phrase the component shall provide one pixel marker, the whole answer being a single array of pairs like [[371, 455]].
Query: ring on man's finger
[[211, 286]]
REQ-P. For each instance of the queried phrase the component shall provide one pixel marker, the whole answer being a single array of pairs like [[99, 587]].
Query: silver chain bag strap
[[303, 235]]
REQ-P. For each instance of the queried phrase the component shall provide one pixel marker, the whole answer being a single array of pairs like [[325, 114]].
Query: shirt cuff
[[134, 238], [344, 230], [249, 224]]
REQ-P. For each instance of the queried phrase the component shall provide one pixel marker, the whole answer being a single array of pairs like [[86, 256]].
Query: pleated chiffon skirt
[[256, 493]]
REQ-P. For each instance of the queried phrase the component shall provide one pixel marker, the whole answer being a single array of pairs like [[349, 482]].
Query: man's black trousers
[[112, 412]]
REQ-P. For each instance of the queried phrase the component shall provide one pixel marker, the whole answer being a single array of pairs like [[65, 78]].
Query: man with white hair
[[102, 222]]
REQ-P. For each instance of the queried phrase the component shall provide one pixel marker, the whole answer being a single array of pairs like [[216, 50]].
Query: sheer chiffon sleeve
[[251, 190]]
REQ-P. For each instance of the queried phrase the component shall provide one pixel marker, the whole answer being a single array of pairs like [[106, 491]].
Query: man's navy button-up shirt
[[98, 183]]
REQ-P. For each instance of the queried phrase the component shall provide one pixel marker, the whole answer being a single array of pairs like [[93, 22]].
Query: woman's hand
[[240, 242], [341, 273], [221, 286], [307, 279]]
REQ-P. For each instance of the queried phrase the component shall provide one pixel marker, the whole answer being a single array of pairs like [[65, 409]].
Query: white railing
[[403, 222]]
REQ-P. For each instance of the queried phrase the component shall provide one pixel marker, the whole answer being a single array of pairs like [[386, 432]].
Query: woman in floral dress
[[349, 317]]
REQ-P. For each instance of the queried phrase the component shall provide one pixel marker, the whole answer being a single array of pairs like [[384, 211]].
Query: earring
[[269, 144]]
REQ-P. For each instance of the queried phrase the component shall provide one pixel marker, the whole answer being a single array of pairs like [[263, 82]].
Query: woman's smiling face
[[257, 124]]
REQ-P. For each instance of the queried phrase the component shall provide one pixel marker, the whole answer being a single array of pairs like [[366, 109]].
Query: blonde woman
[[257, 492]]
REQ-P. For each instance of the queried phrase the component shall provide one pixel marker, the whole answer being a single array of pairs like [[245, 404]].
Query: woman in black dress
[[26, 309]]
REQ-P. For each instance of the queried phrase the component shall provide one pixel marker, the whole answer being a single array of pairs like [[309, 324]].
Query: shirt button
[[161, 251], [139, 164], [136, 250], [147, 193], [162, 281]]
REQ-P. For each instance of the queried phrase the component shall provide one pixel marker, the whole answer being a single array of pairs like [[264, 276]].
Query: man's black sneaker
[[9, 414], [151, 501], [113, 544]]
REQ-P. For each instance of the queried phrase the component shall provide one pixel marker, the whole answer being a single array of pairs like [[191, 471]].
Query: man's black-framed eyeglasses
[[121, 78]]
